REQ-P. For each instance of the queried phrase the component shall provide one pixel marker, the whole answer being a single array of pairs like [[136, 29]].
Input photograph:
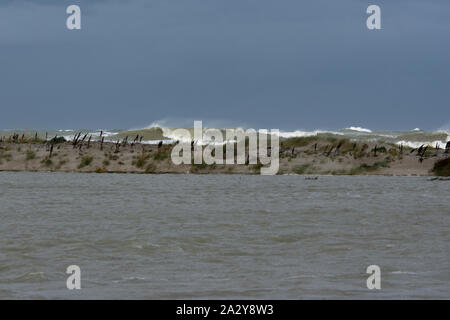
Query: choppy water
[[222, 236], [414, 138]]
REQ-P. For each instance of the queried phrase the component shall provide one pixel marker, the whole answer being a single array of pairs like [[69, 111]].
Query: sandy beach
[[309, 156]]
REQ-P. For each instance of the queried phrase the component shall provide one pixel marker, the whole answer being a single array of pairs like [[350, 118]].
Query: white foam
[[417, 144], [403, 272], [359, 129], [298, 133]]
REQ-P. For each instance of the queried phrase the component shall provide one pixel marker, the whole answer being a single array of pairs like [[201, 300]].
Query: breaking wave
[[359, 129], [157, 131]]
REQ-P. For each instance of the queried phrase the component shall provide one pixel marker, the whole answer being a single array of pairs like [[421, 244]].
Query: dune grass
[[368, 168], [85, 161], [47, 161], [442, 167], [301, 169], [30, 155]]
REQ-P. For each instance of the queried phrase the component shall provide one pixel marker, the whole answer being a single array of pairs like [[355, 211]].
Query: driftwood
[[75, 139], [419, 151], [337, 148]]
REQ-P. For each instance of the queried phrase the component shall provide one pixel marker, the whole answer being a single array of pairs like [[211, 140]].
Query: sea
[[223, 236]]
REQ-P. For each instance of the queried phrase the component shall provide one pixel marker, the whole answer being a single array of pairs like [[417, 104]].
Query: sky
[[284, 64]]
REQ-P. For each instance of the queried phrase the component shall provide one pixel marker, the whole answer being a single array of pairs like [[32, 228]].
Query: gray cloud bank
[[276, 64]]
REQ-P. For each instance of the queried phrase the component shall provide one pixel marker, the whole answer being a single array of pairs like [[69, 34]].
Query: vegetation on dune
[[201, 166], [100, 170], [326, 144], [147, 134], [47, 161], [393, 151], [85, 161], [345, 145], [301, 155], [161, 155], [19, 138], [140, 160], [364, 167], [197, 167], [57, 140], [257, 167], [60, 164], [5, 156], [301, 169], [297, 142], [339, 172], [442, 167], [113, 157], [379, 149], [30, 155], [150, 168]]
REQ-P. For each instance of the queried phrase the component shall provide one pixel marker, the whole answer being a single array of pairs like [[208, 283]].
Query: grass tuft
[[442, 167], [85, 161], [301, 169], [30, 155]]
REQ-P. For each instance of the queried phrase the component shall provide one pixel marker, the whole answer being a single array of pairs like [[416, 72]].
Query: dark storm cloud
[[58, 2], [286, 64]]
